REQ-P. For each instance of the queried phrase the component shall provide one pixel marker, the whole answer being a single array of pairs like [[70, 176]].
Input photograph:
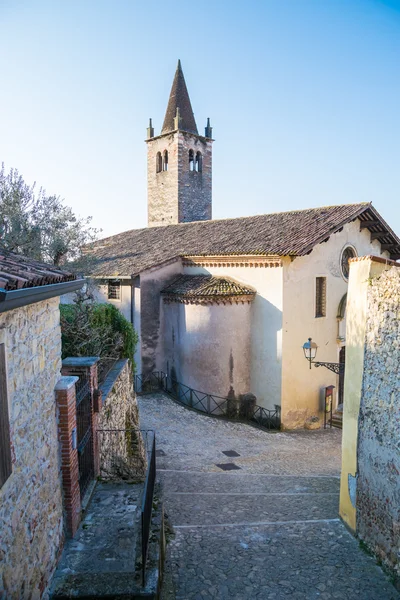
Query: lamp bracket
[[337, 368]]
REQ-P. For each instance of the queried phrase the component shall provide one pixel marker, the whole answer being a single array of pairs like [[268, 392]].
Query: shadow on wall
[[213, 348], [266, 353]]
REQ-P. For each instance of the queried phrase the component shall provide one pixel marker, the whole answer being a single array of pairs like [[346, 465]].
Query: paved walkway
[[266, 530]]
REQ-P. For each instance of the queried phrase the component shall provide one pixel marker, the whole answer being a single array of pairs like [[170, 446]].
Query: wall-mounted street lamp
[[310, 352]]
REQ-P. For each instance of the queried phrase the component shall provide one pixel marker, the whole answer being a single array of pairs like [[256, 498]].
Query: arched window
[[199, 162], [165, 161], [158, 162], [191, 160]]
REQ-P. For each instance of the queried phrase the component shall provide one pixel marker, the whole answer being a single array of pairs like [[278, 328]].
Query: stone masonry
[[31, 519], [378, 486], [122, 448], [178, 195]]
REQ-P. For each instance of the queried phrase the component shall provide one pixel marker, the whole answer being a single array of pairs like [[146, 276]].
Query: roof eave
[[334, 230], [17, 298]]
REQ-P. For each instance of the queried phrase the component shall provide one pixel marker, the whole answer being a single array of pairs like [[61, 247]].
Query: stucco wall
[[378, 453], [361, 273], [31, 520], [151, 284], [302, 389], [100, 293], [208, 346], [265, 351]]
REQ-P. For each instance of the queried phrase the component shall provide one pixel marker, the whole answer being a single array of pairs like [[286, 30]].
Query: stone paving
[[269, 530], [100, 559]]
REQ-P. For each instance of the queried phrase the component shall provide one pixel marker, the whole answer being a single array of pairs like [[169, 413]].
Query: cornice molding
[[232, 260], [209, 300]]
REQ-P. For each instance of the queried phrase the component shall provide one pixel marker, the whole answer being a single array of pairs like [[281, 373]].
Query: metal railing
[[147, 506], [210, 404], [148, 383]]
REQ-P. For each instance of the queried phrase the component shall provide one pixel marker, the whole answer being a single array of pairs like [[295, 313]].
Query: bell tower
[[179, 165]]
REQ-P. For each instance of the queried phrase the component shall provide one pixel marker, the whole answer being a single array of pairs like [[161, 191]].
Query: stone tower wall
[[195, 189], [162, 188], [178, 195]]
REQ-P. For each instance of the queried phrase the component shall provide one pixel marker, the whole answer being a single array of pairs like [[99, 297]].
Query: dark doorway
[[342, 358]]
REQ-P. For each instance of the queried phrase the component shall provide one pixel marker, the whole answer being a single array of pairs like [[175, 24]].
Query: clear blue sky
[[303, 95]]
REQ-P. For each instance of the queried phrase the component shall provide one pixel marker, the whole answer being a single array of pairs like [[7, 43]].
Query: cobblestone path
[[268, 530]]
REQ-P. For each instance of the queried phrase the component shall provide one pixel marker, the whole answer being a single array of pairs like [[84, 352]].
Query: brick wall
[[31, 520]]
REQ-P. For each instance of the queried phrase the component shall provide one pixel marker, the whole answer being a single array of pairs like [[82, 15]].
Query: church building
[[225, 306]]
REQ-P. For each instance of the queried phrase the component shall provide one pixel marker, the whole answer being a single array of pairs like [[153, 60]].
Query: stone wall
[[178, 195], [31, 519], [194, 188], [121, 445], [378, 454]]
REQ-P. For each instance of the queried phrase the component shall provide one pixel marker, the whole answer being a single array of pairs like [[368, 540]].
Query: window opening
[[158, 162], [165, 161], [347, 253], [191, 160], [114, 290], [199, 162], [5, 443], [320, 297]]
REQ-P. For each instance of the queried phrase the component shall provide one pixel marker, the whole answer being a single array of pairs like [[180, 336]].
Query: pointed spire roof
[[179, 98]]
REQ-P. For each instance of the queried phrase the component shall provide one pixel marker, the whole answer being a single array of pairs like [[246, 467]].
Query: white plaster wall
[[302, 388], [265, 349], [209, 346], [100, 293], [152, 282], [137, 327]]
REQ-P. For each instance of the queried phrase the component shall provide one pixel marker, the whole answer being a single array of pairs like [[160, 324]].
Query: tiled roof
[[285, 234], [17, 272], [195, 286], [179, 98]]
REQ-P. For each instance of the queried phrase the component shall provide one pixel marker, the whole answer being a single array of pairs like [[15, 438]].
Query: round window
[[347, 253]]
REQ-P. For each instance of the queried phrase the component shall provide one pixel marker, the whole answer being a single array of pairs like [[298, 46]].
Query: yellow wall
[[361, 271], [302, 388]]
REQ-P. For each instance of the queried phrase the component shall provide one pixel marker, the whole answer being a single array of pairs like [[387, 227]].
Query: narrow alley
[[255, 514]]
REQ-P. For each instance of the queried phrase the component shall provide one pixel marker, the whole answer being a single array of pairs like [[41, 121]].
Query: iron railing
[[84, 432], [210, 404], [148, 383], [147, 506]]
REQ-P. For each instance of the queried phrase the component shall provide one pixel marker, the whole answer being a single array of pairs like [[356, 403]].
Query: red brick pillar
[[87, 365], [66, 405]]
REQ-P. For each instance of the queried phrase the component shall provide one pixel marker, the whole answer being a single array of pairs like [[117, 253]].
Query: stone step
[[244, 483], [204, 509], [337, 420]]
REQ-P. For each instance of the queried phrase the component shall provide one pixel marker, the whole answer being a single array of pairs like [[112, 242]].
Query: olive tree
[[39, 225]]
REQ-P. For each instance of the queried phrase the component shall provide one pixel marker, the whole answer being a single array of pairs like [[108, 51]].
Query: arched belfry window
[[191, 160], [199, 162], [165, 160], [158, 162]]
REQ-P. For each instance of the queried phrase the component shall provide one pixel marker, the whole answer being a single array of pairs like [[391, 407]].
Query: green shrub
[[92, 329]]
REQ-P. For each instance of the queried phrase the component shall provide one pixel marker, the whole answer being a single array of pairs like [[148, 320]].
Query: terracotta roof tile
[[17, 272], [292, 233], [195, 286]]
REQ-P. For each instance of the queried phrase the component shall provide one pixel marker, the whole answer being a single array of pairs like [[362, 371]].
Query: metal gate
[[84, 433]]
